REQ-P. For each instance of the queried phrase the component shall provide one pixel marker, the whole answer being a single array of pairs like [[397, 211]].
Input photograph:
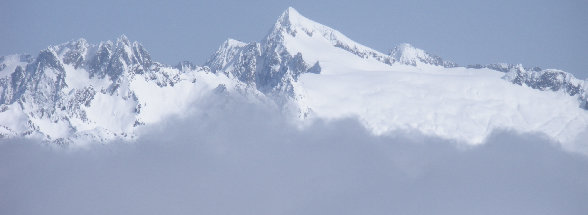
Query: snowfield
[[455, 103], [458, 103], [77, 93]]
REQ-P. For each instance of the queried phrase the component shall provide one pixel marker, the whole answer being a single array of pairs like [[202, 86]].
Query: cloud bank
[[233, 157]]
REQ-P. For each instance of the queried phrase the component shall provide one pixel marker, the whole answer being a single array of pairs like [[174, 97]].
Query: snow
[[461, 104], [158, 103], [297, 21], [76, 78], [12, 120], [292, 21], [318, 42], [465, 105], [317, 48], [11, 62], [234, 43], [111, 112], [227, 52], [52, 129], [408, 54]]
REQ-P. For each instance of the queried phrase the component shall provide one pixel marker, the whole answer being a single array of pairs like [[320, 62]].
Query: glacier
[[77, 93]]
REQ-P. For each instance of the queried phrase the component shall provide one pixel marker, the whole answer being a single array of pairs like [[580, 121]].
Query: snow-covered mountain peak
[[105, 91], [294, 45], [233, 43], [123, 40], [292, 22], [80, 91], [226, 53], [115, 59], [74, 52], [407, 54], [130, 48], [407, 51], [292, 19], [298, 34], [80, 43]]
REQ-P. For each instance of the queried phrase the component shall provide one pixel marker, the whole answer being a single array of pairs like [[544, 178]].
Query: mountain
[[273, 64], [77, 93], [409, 55]]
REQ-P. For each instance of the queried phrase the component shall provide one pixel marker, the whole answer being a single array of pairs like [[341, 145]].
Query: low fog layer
[[232, 157]]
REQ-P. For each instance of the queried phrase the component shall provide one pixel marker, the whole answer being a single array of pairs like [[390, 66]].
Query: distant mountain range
[[78, 93]]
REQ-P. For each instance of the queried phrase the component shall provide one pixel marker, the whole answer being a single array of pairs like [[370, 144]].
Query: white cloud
[[239, 158]]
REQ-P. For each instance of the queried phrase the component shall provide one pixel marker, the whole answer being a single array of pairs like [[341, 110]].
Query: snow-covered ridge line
[[542, 79], [327, 75], [292, 22], [550, 79], [77, 92], [409, 55]]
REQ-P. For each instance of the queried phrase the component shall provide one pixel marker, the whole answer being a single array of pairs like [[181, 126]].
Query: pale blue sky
[[546, 33]]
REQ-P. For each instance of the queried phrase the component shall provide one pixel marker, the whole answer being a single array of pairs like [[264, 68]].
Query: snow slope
[[9, 63], [78, 92], [461, 104], [413, 90]]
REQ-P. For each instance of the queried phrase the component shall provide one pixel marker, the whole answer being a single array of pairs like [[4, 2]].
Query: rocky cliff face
[[77, 91], [266, 65], [549, 80]]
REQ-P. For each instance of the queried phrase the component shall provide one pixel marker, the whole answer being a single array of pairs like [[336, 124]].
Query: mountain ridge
[[80, 92]]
